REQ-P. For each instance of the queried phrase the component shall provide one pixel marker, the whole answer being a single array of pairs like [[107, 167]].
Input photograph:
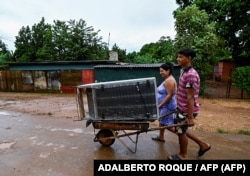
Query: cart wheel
[[105, 134]]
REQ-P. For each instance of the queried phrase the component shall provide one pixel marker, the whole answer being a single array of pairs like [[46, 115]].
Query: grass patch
[[214, 102], [244, 132], [221, 131]]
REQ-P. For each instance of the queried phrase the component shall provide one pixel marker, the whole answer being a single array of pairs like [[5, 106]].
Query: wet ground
[[44, 145]]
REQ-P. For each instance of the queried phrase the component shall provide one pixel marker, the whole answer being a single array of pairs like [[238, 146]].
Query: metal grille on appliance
[[133, 99]]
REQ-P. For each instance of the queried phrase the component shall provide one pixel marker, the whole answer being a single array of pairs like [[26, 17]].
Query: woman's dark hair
[[187, 52], [168, 66]]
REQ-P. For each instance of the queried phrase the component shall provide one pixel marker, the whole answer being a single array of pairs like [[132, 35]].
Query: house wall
[[10, 80], [223, 71], [48, 76], [66, 81], [71, 79], [103, 74], [88, 76], [227, 71]]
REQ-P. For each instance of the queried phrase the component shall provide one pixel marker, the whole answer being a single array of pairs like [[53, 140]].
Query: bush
[[241, 78]]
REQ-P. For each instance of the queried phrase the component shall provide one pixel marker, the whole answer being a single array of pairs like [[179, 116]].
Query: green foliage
[[244, 132], [3, 47], [194, 31], [184, 3], [161, 51], [241, 78], [61, 41], [130, 57], [232, 23], [221, 131], [158, 52], [5, 54], [121, 53], [144, 59]]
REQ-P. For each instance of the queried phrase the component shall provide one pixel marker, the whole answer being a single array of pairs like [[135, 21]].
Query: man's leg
[[183, 142], [203, 145]]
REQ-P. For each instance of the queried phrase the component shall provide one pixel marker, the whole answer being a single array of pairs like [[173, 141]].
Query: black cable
[[143, 101]]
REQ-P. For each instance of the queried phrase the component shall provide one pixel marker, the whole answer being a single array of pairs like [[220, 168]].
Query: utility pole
[[108, 40]]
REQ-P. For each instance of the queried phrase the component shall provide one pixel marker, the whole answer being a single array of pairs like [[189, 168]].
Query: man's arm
[[190, 103]]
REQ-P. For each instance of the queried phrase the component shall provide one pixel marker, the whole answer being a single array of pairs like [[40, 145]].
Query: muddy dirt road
[[39, 136]]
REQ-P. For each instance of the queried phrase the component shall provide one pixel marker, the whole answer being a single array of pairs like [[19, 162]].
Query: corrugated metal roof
[[77, 65], [62, 65], [128, 66]]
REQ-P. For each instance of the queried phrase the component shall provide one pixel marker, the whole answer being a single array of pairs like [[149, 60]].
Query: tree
[[241, 78], [232, 20], [121, 53], [232, 23], [42, 41], [87, 44], [184, 3], [194, 31], [34, 44], [165, 49], [25, 51], [159, 52], [130, 57], [5, 54], [62, 41]]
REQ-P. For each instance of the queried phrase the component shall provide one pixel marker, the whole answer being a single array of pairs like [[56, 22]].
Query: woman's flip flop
[[156, 138]]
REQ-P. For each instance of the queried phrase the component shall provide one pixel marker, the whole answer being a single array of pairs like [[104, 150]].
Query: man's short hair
[[188, 52]]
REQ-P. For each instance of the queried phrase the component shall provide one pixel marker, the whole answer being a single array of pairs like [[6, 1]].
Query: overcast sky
[[130, 23]]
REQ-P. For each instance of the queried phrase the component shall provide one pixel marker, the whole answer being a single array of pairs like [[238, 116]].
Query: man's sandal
[[202, 152]]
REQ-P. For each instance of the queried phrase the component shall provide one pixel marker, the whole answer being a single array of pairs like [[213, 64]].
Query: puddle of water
[[4, 113], [77, 130], [49, 144], [33, 137], [74, 148], [6, 145], [44, 155]]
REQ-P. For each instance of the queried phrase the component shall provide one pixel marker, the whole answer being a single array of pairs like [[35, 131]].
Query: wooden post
[[80, 104]]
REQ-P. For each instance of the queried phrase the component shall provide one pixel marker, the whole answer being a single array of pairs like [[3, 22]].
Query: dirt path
[[229, 115]]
